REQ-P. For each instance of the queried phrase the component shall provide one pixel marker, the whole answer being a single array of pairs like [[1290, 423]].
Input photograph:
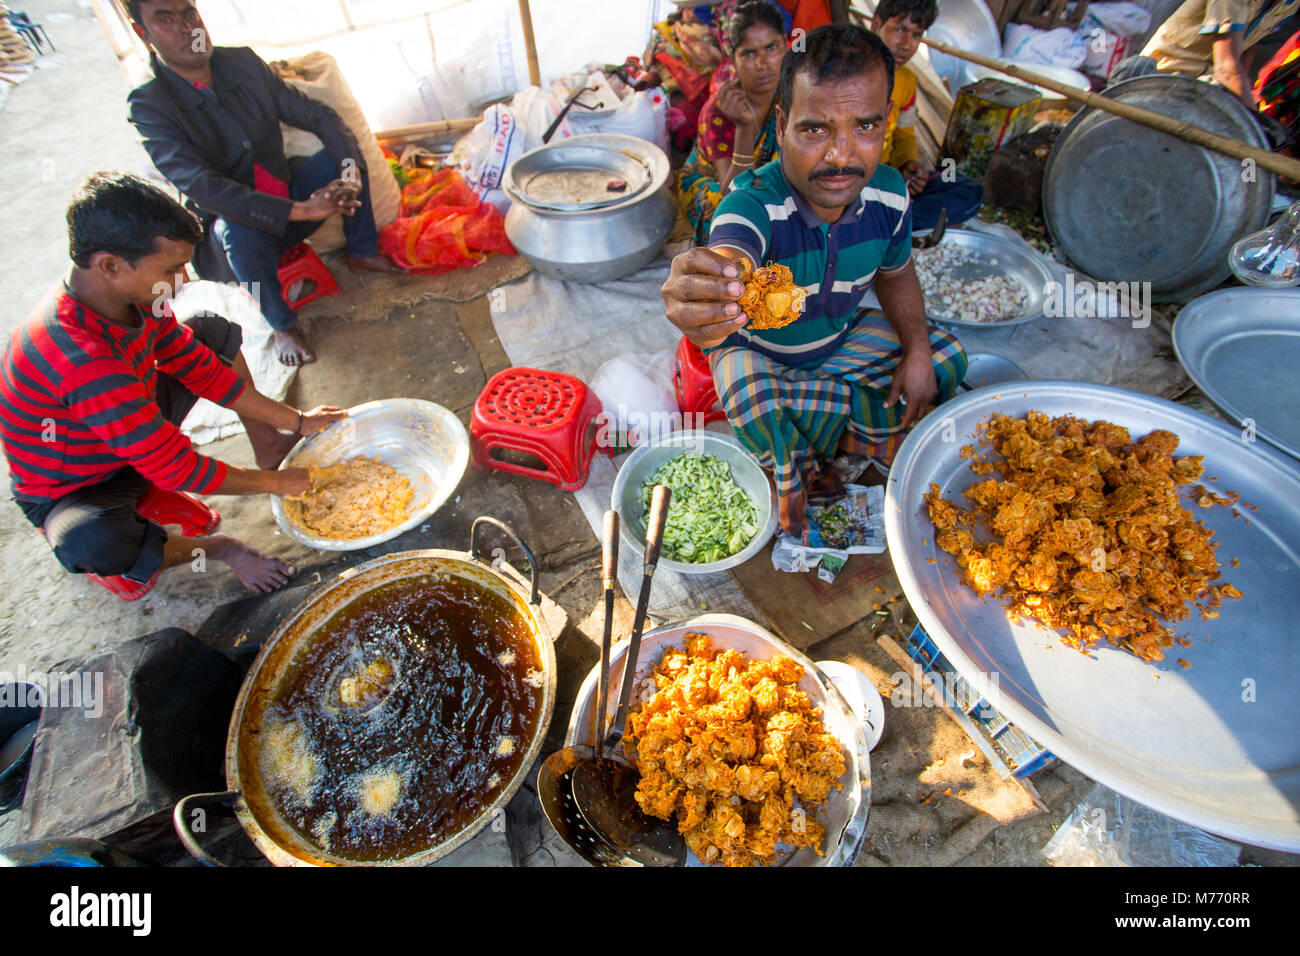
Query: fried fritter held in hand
[[771, 299]]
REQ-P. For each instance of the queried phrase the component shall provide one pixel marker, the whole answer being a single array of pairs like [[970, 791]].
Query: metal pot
[[259, 812], [567, 222]]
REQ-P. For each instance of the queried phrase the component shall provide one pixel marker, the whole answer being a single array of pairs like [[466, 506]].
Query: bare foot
[[374, 264], [291, 348], [271, 446], [256, 571]]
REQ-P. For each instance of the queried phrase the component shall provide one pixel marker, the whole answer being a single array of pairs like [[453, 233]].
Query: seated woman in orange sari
[[738, 123]]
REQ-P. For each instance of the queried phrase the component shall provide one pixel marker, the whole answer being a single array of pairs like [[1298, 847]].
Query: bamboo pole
[[428, 129], [530, 44], [1282, 165]]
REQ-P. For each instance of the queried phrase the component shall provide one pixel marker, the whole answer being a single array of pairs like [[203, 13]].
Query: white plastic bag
[[493, 145], [636, 395], [1059, 47], [536, 110], [1105, 30], [644, 114], [1107, 829]]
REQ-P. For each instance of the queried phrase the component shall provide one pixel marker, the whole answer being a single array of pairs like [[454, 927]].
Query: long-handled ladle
[[604, 788]]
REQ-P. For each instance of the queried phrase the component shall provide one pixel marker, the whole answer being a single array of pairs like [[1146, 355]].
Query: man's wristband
[[298, 431]]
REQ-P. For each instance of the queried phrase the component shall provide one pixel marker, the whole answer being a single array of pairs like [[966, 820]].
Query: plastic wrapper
[[1107, 829], [789, 555], [1059, 47]]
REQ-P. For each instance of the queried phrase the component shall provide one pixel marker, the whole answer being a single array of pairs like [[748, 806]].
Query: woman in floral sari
[[737, 128], [683, 52]]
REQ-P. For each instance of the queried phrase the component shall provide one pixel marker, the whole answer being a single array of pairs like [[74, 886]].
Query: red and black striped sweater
[[77, 400]]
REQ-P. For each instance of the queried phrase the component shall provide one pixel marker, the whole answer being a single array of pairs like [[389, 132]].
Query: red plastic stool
[[299, 264], [546, 414], [693, 382], [163, 507]]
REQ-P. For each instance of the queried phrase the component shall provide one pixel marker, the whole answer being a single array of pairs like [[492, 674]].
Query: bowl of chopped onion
[[977, 280], [723, 507]]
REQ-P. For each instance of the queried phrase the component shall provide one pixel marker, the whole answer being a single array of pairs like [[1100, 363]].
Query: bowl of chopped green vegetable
[[723, 507]]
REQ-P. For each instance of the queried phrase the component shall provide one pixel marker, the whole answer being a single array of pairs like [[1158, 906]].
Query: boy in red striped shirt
[[95, 384]]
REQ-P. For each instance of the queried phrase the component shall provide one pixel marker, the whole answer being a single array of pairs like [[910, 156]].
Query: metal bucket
[[1128, 203]]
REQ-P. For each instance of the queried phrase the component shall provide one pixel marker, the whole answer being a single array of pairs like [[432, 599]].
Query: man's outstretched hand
[[701, 296], [913, 380]]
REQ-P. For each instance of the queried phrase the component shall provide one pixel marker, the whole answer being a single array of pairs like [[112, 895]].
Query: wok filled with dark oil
[[403, 719]]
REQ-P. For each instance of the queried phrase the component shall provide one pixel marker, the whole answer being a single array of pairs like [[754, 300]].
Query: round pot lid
[[573, 178], [1129, 203]]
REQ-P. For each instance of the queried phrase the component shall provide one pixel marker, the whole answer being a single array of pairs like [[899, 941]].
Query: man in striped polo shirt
[[94, 384], [838, 378]]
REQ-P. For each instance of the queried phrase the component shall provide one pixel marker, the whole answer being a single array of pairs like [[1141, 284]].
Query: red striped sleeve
[[180, 355], [111, 401]]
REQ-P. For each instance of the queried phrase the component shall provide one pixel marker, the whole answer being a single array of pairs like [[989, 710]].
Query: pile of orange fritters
[[771, 300], [1089, 534], [729, 745]]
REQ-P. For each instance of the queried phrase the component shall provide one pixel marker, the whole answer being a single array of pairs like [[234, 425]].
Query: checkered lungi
[[795, 420]]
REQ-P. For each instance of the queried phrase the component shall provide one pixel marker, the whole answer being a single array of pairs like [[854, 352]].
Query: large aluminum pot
[[566, 222], [259, 812]]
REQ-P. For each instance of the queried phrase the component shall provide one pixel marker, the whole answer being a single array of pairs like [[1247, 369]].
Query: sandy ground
[[936, 801]]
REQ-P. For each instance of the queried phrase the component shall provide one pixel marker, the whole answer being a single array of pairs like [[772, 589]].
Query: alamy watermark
[[626, 426], [1086, 299], [948, 689], [80, 690]]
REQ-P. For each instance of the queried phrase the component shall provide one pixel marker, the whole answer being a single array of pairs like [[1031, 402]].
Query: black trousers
[[96, 529]]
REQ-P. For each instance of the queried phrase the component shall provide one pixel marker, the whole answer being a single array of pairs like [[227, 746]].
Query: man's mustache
[[829, 172]]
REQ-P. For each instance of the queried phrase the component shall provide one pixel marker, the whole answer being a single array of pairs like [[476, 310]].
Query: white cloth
[[208, 421]]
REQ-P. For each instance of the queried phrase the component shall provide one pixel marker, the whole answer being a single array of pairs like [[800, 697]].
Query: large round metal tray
[[1242, 348], [967, 25], [1129, 203], [844, 814], [425, 442], [1013, 260], [1213, 745]]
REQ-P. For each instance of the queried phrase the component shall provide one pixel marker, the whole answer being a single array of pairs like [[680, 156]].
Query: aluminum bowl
[[844, 815], [425, 442], [650, 457], [1013, 260]]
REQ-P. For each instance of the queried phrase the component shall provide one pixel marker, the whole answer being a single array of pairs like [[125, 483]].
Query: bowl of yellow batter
[[376, 474]]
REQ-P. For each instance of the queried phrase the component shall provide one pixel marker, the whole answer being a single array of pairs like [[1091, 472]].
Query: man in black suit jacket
[[210, 119]]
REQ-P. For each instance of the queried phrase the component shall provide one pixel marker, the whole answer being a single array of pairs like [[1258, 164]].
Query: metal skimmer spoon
[[604, 788], [554, 788]]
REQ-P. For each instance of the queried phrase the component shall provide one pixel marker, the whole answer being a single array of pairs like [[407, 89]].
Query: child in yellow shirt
[[901, 24]]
